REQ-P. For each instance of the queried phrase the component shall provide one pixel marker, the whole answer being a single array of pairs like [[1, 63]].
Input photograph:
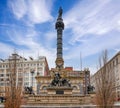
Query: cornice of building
[[109, 61]]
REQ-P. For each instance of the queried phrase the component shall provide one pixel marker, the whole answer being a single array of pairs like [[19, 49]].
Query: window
[[19, 83], [27, 79], [113, 63], [41, 73], [7, 79], [33, 78], [7, 74], [8, 84], [34, 84], [1, 84], [1, 75], [20, 74], [26, 84], [26, 74], [40, 69], [41, 64], [2, 79], [20, 79], [116, 61]]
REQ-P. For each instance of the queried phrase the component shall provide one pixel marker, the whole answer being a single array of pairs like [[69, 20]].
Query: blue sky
[[90, 27]]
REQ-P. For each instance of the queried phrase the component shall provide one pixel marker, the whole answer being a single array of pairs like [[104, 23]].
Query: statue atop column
[[58, 80], [60, 12]]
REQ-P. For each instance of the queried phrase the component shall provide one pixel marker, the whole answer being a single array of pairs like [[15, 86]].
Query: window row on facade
[[21, 65]]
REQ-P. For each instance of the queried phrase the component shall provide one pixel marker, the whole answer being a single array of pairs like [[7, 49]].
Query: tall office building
[[114, 66], [26, 70]]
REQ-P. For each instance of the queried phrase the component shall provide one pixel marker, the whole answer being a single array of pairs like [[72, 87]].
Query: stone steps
[[58, 99]]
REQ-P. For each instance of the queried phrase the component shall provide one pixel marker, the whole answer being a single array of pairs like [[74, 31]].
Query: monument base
[[59, 96], [59, 100]]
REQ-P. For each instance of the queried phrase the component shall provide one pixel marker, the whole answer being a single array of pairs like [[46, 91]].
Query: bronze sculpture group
[[59, 81]]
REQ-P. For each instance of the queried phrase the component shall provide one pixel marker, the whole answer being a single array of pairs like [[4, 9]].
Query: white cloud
[[96, 17], [18, 8], [38, 11], [93, 46], [5, 50], [27, 39], [89, 23], [34, 12], [50, 35], [93, 27], [117, 50]]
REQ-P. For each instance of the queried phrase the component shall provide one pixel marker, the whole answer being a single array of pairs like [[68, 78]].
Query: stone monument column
[[59, 26]]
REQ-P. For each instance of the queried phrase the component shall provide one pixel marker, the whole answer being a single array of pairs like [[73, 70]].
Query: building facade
[[114, 66], [26, 70]]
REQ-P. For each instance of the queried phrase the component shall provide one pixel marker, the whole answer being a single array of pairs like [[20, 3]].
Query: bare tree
[[13, 91], [104, 80]]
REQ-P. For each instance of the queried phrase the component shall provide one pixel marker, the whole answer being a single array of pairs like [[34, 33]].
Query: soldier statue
[[60, 12]]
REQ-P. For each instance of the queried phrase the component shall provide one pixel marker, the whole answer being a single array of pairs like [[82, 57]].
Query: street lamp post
[[32, 72]]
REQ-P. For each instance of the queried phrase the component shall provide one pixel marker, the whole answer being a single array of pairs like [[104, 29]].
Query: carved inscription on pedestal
[[59, 92]]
